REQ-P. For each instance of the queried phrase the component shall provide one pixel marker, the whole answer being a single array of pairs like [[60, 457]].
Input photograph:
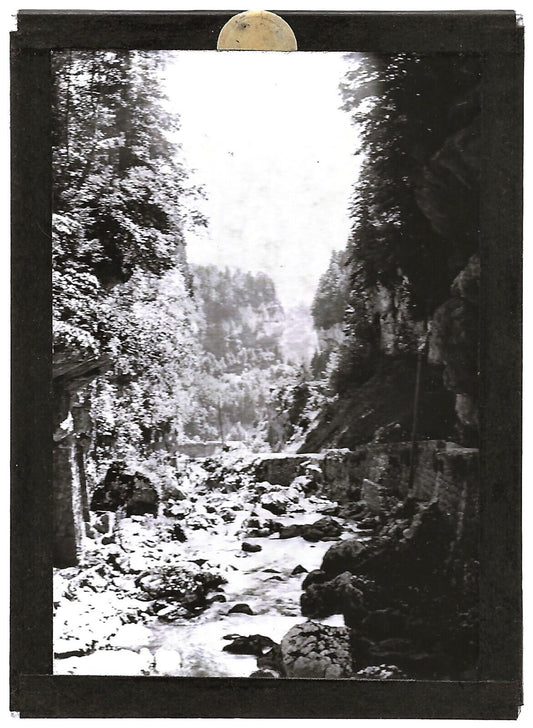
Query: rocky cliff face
[[380, 407], [454, 345]]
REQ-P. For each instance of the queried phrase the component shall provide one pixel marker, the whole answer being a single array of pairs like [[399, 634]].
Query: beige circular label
[[256, 30]]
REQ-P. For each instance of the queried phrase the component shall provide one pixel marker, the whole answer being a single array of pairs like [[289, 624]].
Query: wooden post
[[414, 432], [220, 422]]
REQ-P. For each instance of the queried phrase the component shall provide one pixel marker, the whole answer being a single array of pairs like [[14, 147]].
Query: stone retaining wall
[[443, 471]]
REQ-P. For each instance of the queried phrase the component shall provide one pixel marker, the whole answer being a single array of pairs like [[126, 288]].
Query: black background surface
[[35, 692]]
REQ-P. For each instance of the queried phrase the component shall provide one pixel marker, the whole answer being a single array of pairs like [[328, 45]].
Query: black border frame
[[35, 692]]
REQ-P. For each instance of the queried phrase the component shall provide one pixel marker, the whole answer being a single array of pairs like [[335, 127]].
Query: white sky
[[275, 155]]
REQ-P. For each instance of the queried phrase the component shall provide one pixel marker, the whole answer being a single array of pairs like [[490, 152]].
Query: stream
[[263, 580]]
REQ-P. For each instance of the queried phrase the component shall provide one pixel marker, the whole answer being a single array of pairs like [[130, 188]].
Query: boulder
[[298, 570], [265, 673], [133, 492], [250, 548], [342, 595], [241, 609], [277, 502], [260, 528], [343, 556], [254, 644], [324, 529], [290, 531], [317, 576], [272, 660], [311, 534], [179, 584], [312, 650]]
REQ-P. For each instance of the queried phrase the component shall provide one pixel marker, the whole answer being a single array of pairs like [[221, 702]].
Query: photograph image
[[266, 364]]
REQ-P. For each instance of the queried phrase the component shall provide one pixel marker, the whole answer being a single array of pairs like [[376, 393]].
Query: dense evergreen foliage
[[329, 303], [243, 318], [414, 213], [328, 310], [192, 354], [415, 205], [121, 205], [405, 108], [240, 325]]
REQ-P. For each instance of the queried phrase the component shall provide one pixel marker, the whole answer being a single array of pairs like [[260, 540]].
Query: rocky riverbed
[[230, 575]]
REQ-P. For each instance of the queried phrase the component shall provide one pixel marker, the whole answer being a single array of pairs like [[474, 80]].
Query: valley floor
[[236, 577]]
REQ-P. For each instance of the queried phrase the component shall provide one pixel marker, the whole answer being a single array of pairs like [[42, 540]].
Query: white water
[[194, 647], [275, 605]]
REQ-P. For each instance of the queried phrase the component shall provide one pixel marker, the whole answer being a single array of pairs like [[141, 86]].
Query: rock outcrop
[[409, 595], [454, 344], [434, 292]]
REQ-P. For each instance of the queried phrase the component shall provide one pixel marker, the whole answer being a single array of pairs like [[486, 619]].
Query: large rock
[[254, 644], [250, 548], [343, 556], [241, 608], [256, 527], [133, 492], [325, 529], [314, 650], [322, 530], [317, 576], [179, 584], [276, 502], [282, 468], [345, 594]]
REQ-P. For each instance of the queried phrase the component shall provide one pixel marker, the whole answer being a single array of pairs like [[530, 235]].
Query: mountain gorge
[[209, 446]]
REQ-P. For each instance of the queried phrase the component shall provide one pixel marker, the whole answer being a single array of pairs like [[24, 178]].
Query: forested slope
[[241, 323], [411, 266], [123, 304]]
